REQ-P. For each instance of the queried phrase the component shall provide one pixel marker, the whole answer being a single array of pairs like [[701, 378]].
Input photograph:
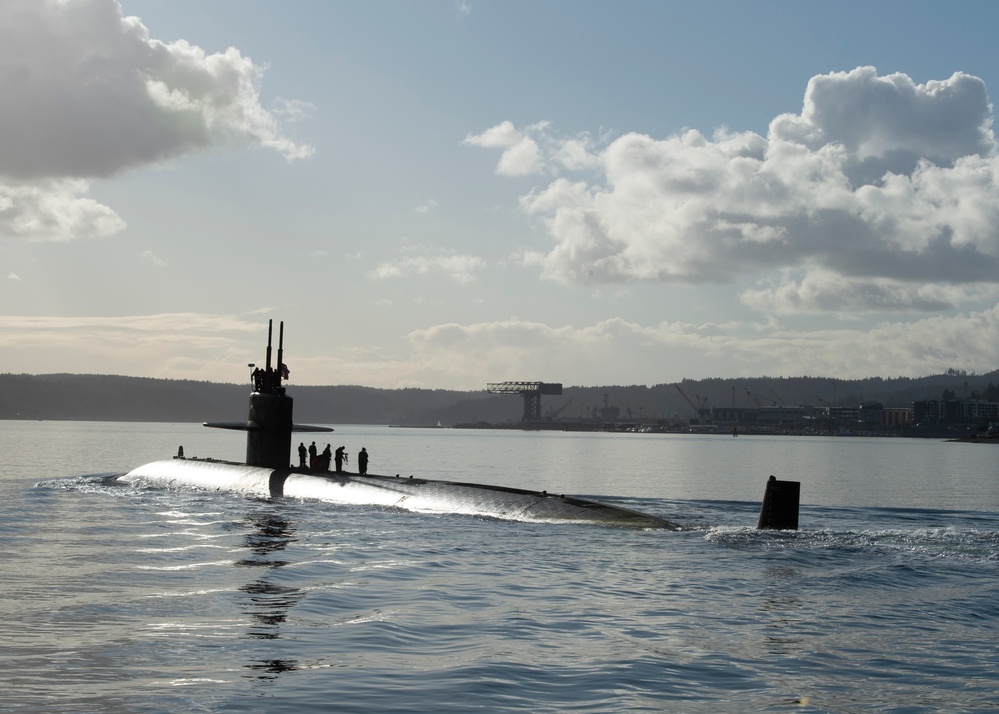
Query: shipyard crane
[[701, 411], [554, 413], [752, 396], [530, 391]]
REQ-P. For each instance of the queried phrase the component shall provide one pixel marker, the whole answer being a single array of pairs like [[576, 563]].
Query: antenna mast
[[280, 360]]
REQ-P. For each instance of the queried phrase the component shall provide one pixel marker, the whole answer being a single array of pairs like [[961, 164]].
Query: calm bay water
[[118, 599]]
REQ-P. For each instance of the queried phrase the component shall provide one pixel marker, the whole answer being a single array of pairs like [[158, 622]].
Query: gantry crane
[[530, 391]]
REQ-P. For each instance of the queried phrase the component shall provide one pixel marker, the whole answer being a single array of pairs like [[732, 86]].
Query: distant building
[[775, 418], [870, 414], [896, 417], [844, 416], [782, 418], [867, 417], [954, 411], [734, 416]]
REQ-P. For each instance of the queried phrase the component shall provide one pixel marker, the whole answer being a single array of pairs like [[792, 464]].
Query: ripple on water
[[144, 600]]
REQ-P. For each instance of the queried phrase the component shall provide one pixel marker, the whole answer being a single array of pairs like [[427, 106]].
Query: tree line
[[117, 398]]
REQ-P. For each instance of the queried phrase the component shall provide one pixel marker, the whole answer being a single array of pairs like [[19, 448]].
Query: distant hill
[[89, 397], [114, 398]]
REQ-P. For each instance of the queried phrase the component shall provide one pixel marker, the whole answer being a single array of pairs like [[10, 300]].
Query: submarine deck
[[411, 493]]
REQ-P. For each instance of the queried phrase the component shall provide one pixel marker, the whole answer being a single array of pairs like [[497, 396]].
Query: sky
[[441, 193]]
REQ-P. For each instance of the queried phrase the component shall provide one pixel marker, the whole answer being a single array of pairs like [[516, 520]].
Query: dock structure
[[531, 392]]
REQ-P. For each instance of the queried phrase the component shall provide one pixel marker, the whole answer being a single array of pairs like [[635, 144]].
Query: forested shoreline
[[119, 398]]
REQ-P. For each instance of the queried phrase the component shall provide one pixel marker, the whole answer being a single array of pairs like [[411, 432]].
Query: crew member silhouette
[[313, 452], [301, 455], [362, 461], [340, 455], [327, 453]]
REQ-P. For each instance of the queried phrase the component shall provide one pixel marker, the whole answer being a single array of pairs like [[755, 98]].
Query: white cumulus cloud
[[521, 154], [54, 210], [880, 195], [87, 93], [460, 268]]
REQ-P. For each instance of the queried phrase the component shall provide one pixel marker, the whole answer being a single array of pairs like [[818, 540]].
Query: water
[[125, 600]]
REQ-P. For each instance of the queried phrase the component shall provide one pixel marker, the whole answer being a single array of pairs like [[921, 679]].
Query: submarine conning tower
[[269, 444], [269, 424]]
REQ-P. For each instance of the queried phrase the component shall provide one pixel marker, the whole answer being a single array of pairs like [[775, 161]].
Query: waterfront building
[[955, 411]]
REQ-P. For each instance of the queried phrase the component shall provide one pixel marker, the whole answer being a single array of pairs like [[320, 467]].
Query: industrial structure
[[531, 392]]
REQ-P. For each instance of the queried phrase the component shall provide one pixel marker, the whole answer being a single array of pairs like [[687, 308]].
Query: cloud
[[521, 154], [88, 94], [467, 356], [54, 210], [876, 117], [170, 345], [151, 257], [14, 276], [426, 207], [164, 327], [620, 351], [821, 290], [885, 184], [460, 268], [294, 110]]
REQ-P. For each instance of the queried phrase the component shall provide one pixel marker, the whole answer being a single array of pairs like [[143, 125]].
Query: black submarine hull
[[413, 494]]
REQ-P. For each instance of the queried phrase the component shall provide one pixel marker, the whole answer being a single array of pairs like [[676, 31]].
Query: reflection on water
[[268, 605], [266, 602], [271, 668], [270, 533], [781, 606]]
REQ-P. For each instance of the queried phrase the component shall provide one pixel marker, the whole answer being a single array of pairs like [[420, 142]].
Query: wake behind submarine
[[266, 472]]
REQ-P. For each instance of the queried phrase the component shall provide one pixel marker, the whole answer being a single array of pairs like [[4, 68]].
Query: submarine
[[266, 472]]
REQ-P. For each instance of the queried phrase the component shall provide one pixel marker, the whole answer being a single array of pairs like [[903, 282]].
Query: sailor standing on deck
[[362, 461], [340, 456], [301, 455], [313, 452]]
